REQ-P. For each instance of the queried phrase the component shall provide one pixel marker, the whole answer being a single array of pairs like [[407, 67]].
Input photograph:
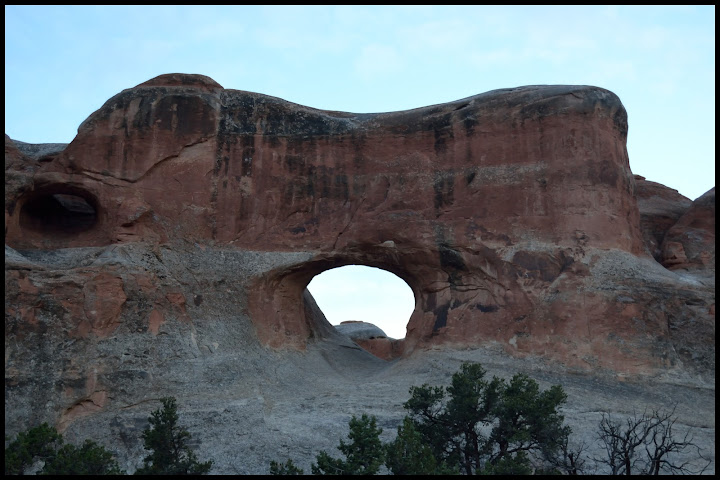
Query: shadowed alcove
[[59, 210]]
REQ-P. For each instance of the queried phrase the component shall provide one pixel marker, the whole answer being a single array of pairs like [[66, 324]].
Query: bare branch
[[647, 446]]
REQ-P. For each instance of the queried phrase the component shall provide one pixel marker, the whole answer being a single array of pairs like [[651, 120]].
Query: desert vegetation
[[164, 438], [475, 425], [492, 426]]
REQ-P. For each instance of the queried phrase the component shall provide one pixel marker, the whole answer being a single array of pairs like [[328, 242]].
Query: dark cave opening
[[59, 212]]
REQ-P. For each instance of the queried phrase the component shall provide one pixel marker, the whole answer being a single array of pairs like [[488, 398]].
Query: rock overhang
[[519, 237], [490, 203], [235, 128]]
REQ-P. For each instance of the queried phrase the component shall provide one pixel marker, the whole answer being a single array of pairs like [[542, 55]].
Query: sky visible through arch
[[63, 62], [356, 292]]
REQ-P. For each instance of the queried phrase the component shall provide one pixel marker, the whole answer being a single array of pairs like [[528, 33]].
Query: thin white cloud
[[613, 70], [223, 30], [308, 31], [444, 35], [492, 58], [378, 61]]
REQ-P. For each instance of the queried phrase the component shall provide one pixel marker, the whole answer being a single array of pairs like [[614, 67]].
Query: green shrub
[[168, 444]]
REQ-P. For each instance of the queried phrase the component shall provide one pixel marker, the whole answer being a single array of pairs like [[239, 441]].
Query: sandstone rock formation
[[690, 242], [167, 250], [38, 151], [359, 330], [672, 225], [371, 338], [660, 208]]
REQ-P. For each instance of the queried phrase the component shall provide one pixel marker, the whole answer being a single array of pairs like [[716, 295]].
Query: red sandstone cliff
[[513, 215], [167, 247]]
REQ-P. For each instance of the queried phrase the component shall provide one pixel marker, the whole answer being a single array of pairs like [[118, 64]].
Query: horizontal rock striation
[[167, 248]]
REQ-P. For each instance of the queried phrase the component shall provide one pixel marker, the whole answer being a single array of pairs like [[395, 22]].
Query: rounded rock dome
[[358, 330]]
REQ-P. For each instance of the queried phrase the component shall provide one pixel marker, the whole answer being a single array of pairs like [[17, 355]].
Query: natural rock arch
[[512, 215], [503, 211], [282, 294]]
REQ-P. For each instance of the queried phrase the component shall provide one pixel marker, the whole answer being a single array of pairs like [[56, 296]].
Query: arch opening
[[354, 298], [59, 211], [286, 313]]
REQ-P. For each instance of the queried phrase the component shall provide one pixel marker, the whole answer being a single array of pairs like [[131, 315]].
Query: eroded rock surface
[[690, 242], [167, 249], [372, 338], [40, 151], [660, 208]]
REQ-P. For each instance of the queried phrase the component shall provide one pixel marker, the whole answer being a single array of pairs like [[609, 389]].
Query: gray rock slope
[[247, 405]]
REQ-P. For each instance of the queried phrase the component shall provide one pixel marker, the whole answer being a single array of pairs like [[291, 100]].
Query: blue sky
[[369, 294], [62, 63]]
